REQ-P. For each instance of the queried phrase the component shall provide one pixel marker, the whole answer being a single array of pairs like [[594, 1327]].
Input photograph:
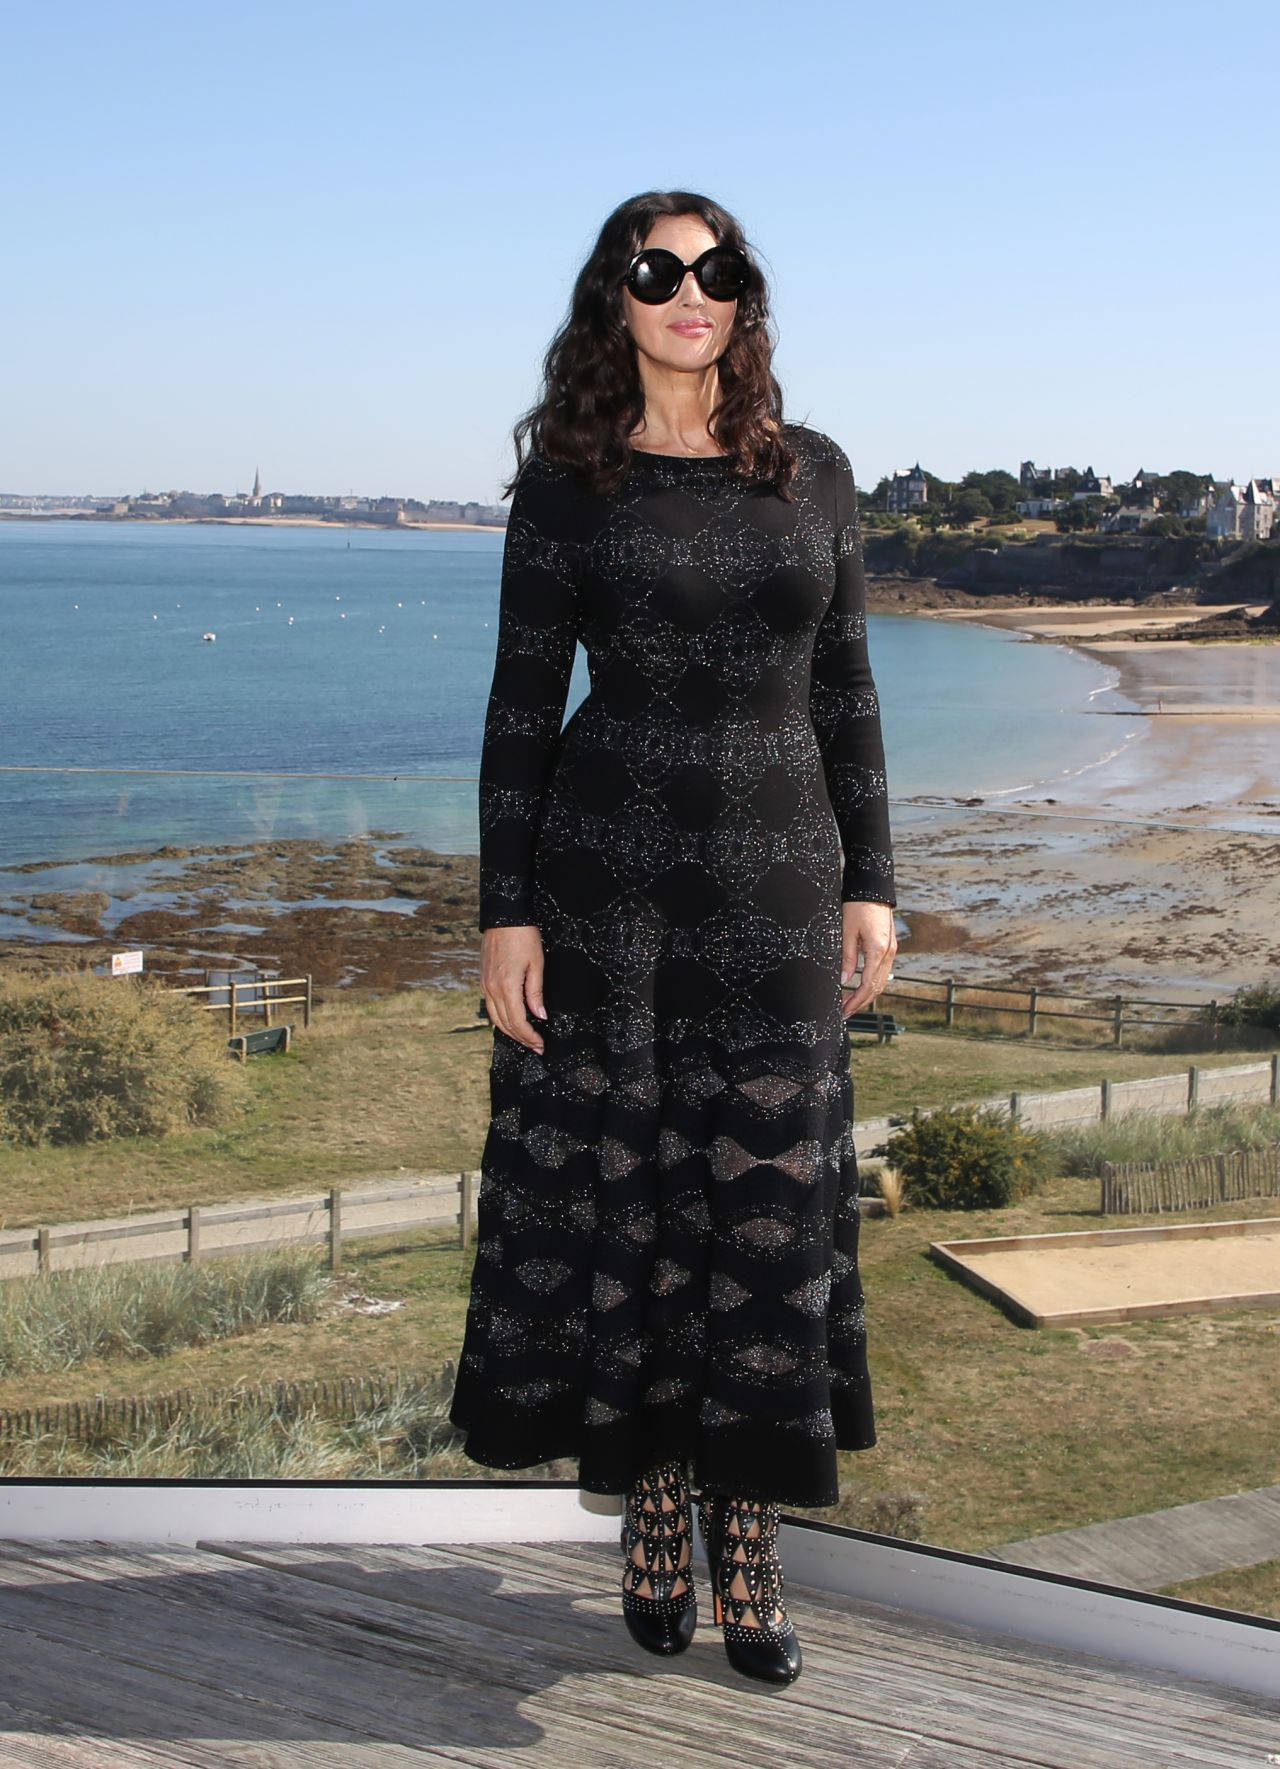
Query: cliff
[[1084, 569]]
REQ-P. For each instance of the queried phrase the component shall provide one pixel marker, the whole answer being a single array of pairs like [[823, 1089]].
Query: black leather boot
[[658, 1519], [770, 1650]]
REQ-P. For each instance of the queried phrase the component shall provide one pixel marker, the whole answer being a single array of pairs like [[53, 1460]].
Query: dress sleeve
[[537, 637], [845, 711]]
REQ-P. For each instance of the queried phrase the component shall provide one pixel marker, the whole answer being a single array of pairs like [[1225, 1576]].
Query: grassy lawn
[[371, 1088], [401, 1083], [1008, 1431], [1253, 1589]]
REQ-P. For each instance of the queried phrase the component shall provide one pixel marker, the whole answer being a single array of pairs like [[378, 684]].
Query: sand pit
[[1122, 1274]]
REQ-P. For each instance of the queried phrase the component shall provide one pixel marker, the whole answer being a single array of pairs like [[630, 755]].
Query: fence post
[[1213, 1020], [1106, 1101], [1031, 1012], [335, 1227], [1119, 1019], [464, 1209], [193, 1234], [43, 1261], [951, 1002], [1275, 1079], [1015, 1107], [306, 1006], [1193, 1087], [231, 1004]]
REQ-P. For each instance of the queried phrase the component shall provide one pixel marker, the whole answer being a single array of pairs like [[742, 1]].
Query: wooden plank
[[584, 1701], [368, 1654], [32, 1740], [100, 1696], [295, 1670], [1159, 1548], [988, 1693]]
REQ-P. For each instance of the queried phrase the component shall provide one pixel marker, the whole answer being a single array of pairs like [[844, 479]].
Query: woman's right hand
[[511, 963]]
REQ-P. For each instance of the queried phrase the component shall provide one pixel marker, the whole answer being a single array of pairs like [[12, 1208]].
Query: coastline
[[238, 521], [1152, 870], [1199, 716], [1157, 864]]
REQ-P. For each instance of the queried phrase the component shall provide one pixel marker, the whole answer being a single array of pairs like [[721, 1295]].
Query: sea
[[344, 693]]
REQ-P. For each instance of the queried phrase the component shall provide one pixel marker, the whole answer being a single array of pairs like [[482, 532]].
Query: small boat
[[208, 635]]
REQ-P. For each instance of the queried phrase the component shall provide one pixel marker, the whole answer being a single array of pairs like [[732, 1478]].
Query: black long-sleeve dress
[[666, 1259]]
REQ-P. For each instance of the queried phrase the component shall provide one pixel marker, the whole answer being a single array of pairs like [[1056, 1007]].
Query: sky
[[334, 241]]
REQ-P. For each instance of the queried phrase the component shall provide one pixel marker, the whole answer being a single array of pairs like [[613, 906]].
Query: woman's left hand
[[869, 930]]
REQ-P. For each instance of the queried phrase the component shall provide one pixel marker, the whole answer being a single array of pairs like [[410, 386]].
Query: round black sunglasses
[[655, 275]]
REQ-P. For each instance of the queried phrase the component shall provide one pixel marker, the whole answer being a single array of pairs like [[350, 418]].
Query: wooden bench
[[266, 1038], [883, 1025]]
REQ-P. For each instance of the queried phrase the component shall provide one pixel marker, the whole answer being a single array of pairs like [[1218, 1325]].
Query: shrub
[[1255, 1004], [967, 1158], [86, 1058]]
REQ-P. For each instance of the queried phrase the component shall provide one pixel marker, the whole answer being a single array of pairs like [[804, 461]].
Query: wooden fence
[[1162, 1096], [946, 999], [328, 1397], [431, 1200], [196, 1232], [253, 993], [1133, 1187]]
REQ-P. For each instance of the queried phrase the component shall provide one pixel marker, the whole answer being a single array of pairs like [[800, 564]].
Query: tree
[[970, 504], [1080, 513], [1000, 488]]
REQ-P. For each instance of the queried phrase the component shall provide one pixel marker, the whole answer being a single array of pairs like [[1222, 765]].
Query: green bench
[[883, 1025], [266, 1038]]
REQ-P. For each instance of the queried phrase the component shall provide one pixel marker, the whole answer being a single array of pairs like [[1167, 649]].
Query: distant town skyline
[[906, 485], [988, 233]]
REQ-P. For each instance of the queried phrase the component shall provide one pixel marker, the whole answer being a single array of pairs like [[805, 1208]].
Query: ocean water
[[345, 691]]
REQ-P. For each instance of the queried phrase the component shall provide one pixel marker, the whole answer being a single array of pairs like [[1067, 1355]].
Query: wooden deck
[[482, 1655], [1160, 1548]]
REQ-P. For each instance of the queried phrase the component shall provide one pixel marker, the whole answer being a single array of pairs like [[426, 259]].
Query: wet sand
[[1158, 867]]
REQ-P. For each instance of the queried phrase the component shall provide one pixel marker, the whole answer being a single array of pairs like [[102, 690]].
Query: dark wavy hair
[[591, 397]]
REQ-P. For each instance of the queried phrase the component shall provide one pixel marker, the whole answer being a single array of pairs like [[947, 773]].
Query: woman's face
[[690, 330]]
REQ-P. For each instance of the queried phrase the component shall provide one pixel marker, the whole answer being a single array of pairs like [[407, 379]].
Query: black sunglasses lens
[[723, 274], [655, 276]]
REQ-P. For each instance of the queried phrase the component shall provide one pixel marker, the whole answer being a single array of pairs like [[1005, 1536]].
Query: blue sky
[[335, 240]]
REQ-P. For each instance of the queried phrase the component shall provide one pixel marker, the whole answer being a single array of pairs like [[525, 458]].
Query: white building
[[1244, 512]]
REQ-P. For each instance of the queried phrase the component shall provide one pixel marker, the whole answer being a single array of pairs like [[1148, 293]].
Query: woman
[[666, 1281]]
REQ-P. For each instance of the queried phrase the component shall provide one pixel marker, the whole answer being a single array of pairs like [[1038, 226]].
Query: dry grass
[[400, 1084], [1254, 1590], [371, 1089]]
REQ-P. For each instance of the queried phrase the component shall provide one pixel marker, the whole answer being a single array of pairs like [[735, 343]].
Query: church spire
[[257, 486]]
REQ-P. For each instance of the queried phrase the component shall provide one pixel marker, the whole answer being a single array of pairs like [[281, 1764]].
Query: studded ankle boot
[[767, 1649], [658, 1520]]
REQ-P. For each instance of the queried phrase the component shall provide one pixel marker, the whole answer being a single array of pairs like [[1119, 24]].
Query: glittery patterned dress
[[667, 1250]]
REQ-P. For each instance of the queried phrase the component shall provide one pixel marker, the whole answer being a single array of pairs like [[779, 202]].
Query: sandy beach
[[1159, 866]]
